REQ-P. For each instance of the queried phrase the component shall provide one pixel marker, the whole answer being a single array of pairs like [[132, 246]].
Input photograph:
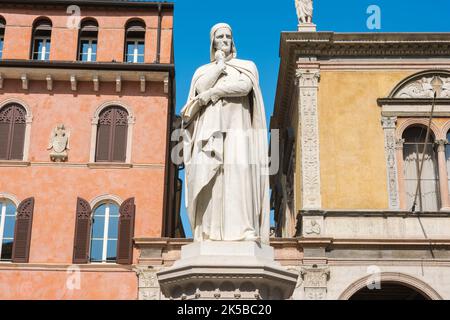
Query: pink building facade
[[86, 110]]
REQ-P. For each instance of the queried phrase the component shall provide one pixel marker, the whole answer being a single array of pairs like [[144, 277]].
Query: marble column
[[443, 174]]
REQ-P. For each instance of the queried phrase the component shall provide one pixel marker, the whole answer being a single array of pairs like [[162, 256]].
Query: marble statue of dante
[[304, 10], [225, 148]]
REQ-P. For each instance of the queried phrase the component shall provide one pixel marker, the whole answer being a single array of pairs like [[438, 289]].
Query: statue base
[[227, 271], [307, 27]]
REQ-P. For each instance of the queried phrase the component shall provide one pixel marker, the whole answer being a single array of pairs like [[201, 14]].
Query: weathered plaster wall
[[352, 153]]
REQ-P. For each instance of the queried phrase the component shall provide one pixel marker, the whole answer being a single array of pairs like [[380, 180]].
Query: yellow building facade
[[353, 112]]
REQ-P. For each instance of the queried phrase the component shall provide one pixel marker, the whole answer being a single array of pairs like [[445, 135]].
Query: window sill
[[109, 165], [14, 163]]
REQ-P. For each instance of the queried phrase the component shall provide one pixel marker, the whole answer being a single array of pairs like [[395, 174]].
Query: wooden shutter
[[82, 232], [4, 139], [103, 142], [120, 130], [105, 123], [22, 232], [18, 139], [112, 135], [12, 132], [126, 232]]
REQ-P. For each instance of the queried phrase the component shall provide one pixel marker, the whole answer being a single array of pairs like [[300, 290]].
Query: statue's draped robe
[[226, 159], [304, 9]]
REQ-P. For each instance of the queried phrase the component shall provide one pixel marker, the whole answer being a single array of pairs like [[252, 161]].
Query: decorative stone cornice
[[330, 44]]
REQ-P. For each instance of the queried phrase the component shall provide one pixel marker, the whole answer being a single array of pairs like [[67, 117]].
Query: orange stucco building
[[86, 109]]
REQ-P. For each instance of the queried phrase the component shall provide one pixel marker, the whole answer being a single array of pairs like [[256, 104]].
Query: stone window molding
[[94, 125], [28, 119], [443, 174], [409, 104], [422, 122], [10, 197], [105, 198]]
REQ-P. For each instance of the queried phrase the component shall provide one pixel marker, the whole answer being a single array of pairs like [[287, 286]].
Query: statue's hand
[[220, 60], [204, 98]]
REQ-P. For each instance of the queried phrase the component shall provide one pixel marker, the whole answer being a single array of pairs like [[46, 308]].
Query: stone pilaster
[[148, 283], [315, 281], [389, 127], [308, 83]]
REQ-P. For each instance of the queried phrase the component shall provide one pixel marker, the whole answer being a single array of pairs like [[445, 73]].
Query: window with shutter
[[82, 232], [7, 225], [112, 133], [126, 232], [104, 234], [12, 132], [22, 232]]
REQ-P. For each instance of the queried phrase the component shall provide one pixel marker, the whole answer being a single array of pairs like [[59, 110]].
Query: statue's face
[[223, 40]]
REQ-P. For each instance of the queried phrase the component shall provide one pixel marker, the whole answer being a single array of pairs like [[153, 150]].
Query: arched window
[[428, 197], [42, 31], [7, 224], [135, 41], [2, 35], [105, 228], [112, 130], [12, 131], [88, 41]]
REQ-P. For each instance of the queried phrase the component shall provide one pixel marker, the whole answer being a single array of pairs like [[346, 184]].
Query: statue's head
[[222, 39]]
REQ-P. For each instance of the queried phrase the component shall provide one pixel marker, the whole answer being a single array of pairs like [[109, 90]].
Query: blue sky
[[257, 26]]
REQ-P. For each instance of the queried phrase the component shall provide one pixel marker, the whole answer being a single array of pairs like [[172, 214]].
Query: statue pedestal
[[307, 27], [227, 271]]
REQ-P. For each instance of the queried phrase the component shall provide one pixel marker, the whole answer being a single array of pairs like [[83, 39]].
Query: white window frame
[[135, 53], [42, 54], [105, 231], [89, 54], [3, 203]]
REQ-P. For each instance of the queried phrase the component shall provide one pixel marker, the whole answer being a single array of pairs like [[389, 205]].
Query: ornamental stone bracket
[[308, 83], [148, 285], [315, 280], [391, 145]]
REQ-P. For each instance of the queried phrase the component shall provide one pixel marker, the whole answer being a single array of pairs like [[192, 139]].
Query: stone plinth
[[227, 270], [307, 27]]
